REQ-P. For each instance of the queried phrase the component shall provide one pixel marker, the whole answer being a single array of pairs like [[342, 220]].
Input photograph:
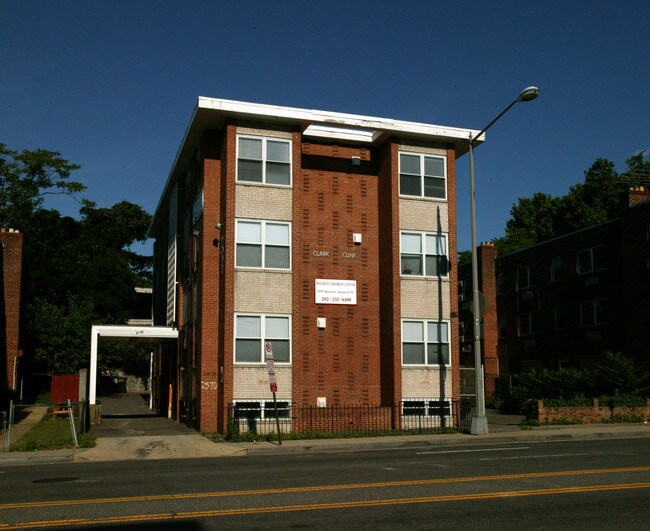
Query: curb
[[542, 434], [267, 448], [20, 459]]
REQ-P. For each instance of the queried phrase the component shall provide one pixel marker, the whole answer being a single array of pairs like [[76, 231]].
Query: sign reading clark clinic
[[332, 291]]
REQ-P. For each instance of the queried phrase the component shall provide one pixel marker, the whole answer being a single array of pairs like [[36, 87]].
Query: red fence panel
[[64, 387]]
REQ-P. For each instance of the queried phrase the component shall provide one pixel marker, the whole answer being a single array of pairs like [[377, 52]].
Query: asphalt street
[[575, 484]]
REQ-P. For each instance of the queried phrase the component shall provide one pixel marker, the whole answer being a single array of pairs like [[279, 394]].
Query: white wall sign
[[268, 355], [332, 291]]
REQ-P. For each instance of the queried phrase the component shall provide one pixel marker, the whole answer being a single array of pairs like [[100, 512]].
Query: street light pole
[[479, 420]]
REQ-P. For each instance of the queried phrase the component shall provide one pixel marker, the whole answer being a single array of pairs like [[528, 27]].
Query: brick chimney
[[11, 245], [635, 195]]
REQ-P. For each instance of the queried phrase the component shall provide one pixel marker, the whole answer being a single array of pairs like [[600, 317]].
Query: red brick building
[[327, 235], [563, 302], [486, 256], [12, 260]]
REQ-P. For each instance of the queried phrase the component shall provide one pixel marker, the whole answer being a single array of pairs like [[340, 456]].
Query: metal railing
[[413, 416]]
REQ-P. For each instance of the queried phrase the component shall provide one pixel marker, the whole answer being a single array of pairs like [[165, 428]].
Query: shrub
[[234, 435], [618, 378], [621, 375], [577, 401], [622, 400]]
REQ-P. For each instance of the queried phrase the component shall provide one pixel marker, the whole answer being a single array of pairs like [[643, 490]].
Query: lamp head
[[529, 93]]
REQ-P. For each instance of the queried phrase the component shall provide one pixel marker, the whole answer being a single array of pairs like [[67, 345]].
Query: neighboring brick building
[[563, 302], [486, 255], [328, 235], [12, 261]]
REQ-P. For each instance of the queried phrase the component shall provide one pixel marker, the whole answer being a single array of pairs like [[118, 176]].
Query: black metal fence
[[410, 416]]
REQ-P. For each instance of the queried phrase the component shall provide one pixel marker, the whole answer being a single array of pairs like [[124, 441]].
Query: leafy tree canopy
[[26, 177], [542, 217], [62, 348], [78, 272], [464, 256]]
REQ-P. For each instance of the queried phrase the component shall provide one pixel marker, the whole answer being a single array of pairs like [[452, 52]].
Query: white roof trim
[[212, 112], [340, 133], [135, 332], [333, 118]]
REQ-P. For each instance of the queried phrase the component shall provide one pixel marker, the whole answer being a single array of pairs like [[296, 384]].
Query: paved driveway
[[128, 414], [130, 430]]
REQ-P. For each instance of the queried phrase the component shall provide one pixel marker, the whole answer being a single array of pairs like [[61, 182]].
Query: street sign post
[[273, 384]]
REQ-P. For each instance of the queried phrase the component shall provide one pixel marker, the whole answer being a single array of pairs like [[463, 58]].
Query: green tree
[[26, 177], [464, 256], [542, 217], [533, 219], [594, 201], [638, 169], [64, 334], [620, 374], [77, 272]]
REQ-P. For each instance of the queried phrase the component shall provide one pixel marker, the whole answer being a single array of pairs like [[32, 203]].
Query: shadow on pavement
[[128, 415]]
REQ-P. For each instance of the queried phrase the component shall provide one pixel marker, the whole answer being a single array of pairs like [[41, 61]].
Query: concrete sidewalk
[[131, 432], [195, 445]]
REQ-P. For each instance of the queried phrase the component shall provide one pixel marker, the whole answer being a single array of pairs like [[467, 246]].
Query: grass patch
[[50, 434], [213, 436]]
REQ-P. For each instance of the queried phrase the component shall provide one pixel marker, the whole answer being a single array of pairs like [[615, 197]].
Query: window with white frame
[[528, 323], [527, 276], [591, 259], [560, 317], [260, 409], [424, 254], [422, 175], [426, 408], [263, 244], [263, 160], [253, 330], [593, 312], [425, 343]]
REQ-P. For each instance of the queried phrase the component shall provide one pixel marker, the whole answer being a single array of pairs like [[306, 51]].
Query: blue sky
[[111, 85]]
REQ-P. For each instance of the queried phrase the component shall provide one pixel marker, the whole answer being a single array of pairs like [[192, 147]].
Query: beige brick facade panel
[[262, 291], [425, 382], [253, 383], [263, 202], [423, 215], [424, 299]]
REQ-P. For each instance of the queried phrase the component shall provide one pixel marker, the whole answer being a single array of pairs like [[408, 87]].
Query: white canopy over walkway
[[126, 333]]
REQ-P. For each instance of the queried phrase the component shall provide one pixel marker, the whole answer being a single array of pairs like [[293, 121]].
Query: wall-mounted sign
[[326, 254], [333, 291]]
